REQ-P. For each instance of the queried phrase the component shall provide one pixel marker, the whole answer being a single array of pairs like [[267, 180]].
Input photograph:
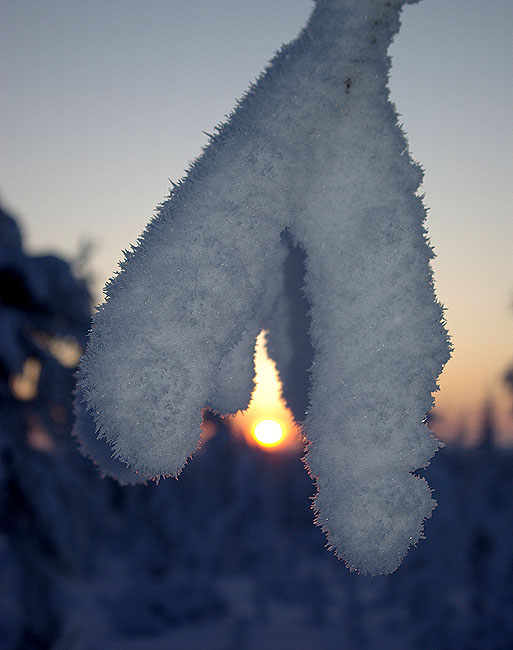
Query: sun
[[267, 422], [268, 433]]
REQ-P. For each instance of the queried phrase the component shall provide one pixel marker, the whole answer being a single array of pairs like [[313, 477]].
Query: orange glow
[[208, 430], [24, 386], [65, 349], [267, 422], [38, 437]]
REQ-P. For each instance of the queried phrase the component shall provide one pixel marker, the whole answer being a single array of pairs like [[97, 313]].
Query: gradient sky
[[103, 101]]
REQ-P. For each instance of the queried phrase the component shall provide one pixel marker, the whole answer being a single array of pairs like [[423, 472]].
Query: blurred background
[[103, 103]]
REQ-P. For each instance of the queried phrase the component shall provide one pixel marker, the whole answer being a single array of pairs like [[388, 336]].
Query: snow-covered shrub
[[314, 149]]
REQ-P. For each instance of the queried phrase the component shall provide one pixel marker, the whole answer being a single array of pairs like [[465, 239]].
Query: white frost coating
[[313, 147], [98, 449]]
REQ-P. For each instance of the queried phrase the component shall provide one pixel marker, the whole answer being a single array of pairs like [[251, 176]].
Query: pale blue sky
[[104, 100]]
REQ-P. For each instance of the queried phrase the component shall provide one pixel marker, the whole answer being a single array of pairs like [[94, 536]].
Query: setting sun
[[268, 432], [267, 422]]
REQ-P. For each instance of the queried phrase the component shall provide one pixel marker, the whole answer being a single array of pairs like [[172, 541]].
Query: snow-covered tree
[[44, 317], [313, 150]]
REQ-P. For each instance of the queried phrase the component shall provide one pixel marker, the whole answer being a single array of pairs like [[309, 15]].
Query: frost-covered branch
[[314, 148]]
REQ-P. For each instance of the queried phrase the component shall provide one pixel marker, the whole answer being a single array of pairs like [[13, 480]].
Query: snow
[[314, 149]]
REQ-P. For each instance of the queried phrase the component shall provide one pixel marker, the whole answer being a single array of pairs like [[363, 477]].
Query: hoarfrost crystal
[[313, 150]]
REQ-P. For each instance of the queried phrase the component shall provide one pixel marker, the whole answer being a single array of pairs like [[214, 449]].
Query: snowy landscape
[[227, 556], [140, 509]]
